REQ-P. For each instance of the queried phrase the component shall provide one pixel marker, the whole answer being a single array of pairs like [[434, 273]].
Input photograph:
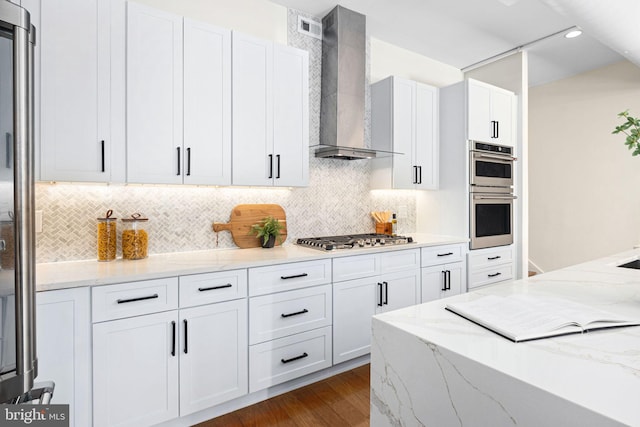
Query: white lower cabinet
[[491, 265], [63, 343], [443, 271], [153, 367], [391, 285]]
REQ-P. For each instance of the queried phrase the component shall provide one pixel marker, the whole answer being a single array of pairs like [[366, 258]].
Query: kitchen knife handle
[[386, 293], [295, 276], [302, 356], [173, 338], [188, 161], [102, 154], [270, 165], [278, 166], [178, 148], [185, 323]]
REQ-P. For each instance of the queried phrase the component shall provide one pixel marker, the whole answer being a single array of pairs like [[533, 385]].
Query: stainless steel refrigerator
[[18, 362]]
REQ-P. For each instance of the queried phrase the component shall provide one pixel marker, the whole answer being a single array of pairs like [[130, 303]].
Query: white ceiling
[[463, 32]]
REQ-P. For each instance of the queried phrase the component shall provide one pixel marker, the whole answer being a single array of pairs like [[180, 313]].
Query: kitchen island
[[432, 367]]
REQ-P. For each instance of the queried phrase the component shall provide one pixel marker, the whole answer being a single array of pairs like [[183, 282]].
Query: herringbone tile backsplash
[[337, 200]]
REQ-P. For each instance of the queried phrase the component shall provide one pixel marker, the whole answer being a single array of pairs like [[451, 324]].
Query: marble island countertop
[[475, 377], [59, 275]]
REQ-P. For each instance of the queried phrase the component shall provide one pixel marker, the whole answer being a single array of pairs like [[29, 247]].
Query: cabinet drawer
[[399, 260], [133, 299], [284, 359], [356, 267], [285, 277], [488, 257], [486, 276], [441, 254], [201, 289], [288, 313]]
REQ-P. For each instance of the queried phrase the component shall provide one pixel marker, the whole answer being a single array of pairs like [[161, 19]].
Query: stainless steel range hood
[[343, 86]]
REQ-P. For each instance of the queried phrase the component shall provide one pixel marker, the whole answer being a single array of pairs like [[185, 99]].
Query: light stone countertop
[[598, 371], [60, 275]]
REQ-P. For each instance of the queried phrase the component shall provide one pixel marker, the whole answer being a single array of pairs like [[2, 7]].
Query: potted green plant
[[268, 230], [631, 128]]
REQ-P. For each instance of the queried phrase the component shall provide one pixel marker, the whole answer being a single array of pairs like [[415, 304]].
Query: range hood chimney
[[343, 86]]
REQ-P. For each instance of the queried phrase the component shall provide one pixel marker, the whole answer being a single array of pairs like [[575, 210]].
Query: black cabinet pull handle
[[447, 254], [270, 165], [379, 294], [102, 154], [386, 293], [444, 280], [213, 288], [415, 174], [8, 150], [302, 356], [186, 350], [448, 280], [294, 314], [178, 148], [189, 161], [493, 275], [124, 301], [278, 166], [497, 129], [173, 338], [295, 276], [420, 176], [491, 258]]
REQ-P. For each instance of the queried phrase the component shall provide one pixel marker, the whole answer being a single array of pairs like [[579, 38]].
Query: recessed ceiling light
[[573, 33]]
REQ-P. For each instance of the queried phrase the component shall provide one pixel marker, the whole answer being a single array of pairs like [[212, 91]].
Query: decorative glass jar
[[135, 240]]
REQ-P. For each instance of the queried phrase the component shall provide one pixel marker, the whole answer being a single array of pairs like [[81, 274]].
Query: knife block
[[383, 228]]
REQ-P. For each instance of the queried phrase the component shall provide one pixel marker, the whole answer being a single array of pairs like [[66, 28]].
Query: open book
[[526, 317]]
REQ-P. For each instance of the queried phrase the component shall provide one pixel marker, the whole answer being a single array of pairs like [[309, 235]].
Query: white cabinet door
[[290, 116], [353, 305], [502, 106], [479, 126], [75, 101], [404, 167], [213, 355], [135, 370], [442, 281], [207, 104], [63, 338], [426, 146], [252, 118], [154, 96], [399, 290]]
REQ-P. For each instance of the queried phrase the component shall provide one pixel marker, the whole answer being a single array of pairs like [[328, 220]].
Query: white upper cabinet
[[78, 141], [207, 104], [270, 113], [404, 117], [178, 99], [491, 113]]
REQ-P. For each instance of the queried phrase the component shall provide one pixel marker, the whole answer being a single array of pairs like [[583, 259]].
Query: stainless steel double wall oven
[[491, 195]]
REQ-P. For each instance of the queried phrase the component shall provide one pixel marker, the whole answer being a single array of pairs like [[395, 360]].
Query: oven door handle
[[506, 159], [496, 197]]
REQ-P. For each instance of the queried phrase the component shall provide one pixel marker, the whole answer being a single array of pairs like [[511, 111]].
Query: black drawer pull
[[444, 280], [294, 314], [294, 276], [186, 334], [494, 275], [380, 297], [173, 338], [302, 356], [124, 301], [447, 254], [213, 288], [386, 293], [491, 258]]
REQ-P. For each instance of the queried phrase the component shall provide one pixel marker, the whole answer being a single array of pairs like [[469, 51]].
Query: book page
[[523, 317]]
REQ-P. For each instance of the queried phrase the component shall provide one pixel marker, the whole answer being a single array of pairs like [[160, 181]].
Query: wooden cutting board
[[244, 216]]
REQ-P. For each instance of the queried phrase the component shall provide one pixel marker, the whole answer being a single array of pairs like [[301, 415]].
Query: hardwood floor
[[342, 400]]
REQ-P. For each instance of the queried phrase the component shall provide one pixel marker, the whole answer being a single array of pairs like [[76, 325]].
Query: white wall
[[583, 183]]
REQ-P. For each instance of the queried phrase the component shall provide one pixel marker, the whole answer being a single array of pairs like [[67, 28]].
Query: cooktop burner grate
[[353, 241]]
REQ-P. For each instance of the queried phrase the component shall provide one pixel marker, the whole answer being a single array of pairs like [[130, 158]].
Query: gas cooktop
[[353, 241]]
